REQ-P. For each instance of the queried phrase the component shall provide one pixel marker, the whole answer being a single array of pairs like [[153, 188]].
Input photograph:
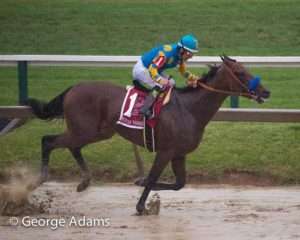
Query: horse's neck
[[203, 105]]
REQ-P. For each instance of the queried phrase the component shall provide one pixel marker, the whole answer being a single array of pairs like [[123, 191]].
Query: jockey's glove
[[192, 80], [162, 81]]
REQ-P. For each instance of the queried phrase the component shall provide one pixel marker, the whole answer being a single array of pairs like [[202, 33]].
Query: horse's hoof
[[83, 185], [140, 182], [140, 208]]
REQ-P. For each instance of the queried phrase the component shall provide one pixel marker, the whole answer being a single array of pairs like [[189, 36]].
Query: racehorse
[[91, 110]]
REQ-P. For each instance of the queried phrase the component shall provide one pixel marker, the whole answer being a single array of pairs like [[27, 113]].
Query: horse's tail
[[50, 110]]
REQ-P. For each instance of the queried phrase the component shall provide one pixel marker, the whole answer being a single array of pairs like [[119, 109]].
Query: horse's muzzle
[[263, 96]]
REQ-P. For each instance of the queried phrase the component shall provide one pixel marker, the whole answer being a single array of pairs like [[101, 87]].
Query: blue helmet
[[189, 42]]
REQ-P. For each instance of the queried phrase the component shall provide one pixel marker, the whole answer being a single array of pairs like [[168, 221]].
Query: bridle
[[249, 93]]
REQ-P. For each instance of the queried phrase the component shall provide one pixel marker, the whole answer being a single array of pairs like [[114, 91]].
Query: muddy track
[[196, 212]]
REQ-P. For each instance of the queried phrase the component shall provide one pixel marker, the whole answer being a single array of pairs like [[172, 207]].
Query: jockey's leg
[[142, 75], [150, 99]]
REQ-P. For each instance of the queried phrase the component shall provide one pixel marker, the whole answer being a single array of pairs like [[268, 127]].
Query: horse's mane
[[206, 77]]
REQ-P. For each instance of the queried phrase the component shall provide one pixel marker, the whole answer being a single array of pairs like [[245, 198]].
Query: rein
[[231, 93]]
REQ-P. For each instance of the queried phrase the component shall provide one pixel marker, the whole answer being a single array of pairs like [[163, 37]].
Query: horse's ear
[[222, 57], [229, 59]]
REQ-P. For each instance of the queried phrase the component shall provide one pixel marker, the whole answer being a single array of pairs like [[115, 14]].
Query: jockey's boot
[[146, 108]]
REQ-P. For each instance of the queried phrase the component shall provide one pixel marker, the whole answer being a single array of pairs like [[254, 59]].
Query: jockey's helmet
[[189, 43]]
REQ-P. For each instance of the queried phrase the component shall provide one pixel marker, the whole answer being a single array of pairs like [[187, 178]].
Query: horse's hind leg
[[86, 177], [74, 144], [48, 144]]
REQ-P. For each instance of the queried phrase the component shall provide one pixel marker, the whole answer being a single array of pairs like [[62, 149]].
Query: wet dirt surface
[[196, 212]]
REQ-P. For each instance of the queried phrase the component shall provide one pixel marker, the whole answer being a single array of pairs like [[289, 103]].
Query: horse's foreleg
[[178, 166], [160, 162], [86, 177]]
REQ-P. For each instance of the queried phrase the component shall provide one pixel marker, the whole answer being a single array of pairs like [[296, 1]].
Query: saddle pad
[[130, 112]]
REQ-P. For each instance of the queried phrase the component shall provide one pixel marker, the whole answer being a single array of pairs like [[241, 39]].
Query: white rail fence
[[128, 61]]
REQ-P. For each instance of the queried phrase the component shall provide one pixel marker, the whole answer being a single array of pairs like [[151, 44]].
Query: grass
[[248, 27], [130, 27]]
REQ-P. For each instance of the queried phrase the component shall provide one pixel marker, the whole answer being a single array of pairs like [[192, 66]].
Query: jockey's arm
[[154, 67], [191, 79]]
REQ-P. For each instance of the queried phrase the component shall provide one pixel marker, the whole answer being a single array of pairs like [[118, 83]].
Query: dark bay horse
[[91, 111]]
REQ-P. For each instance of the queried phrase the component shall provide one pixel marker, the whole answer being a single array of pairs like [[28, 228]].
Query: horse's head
[[243, 83]]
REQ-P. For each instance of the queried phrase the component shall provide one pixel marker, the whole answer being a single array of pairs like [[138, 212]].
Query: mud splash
[[17, 197], [152, 207]]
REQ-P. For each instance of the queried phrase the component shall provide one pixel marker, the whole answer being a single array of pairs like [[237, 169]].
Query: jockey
[[148, 71]]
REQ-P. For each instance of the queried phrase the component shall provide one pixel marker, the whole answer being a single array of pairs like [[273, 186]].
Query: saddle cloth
[[130, 115]]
